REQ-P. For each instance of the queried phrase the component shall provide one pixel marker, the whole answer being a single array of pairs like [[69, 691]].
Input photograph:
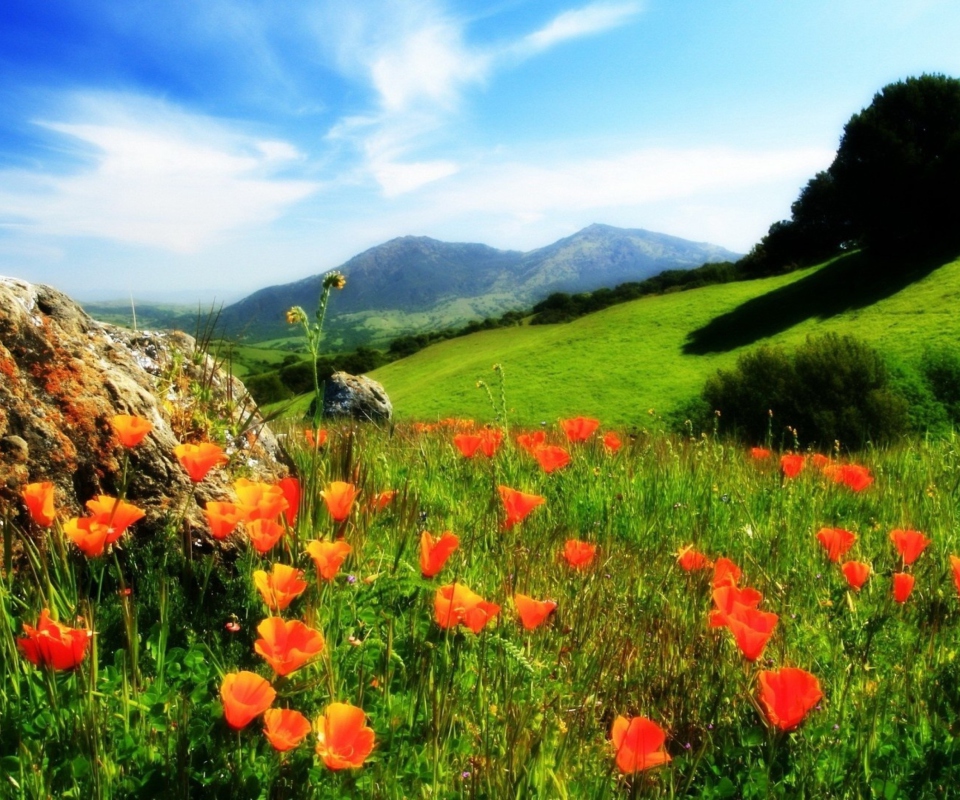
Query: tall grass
[[509, 712]]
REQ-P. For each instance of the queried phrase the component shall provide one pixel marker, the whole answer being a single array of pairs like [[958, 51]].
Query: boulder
[[357, 397], [64, 375]]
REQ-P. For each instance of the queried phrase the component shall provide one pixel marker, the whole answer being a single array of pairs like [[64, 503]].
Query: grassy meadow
[[505, 711], [657, 352]]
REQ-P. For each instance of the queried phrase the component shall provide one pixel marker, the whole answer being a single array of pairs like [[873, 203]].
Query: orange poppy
[[285, 728], [259, 500], [518, 505], [639, 744], [468, 443], [856, 573], [245, 695], [53, 645], [315, 440], [222, 518], [551, 458], [343, 738], [90, 536], [290, 488], [382, 499], [328, 556], [264, 534], [490, 439], [287, 646], [787, 695], [902, 586], [339, 497], [455, 604], [612, 442], [199, 459], [690, 560], [578, 554], [531, 441], [117, 515], [909, 544], [533, 613], [726, 600], [725, 573], [836, 541], [579, 429], [435, 552], [752, 629], [791, 465], [759, 453], [955, 567], [130, 429], [821, 461], [854, 476], [39, 500], [280, 586]]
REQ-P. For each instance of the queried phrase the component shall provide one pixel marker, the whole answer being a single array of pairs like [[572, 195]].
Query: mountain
[[415, 283]]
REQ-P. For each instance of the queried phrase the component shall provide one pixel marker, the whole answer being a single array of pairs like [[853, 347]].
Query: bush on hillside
[[832, 388]]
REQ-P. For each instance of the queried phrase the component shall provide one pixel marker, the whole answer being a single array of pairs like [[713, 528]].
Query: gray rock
[[357, 397]]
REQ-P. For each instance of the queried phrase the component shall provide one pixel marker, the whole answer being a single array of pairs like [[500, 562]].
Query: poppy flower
[[726, 600], [518, 505], [902, 586], [280, 586], [53, 645], [639, 744], [551, 458], [382, 499], [343, 738], [531, 441], [315, 440], [856, 573], [468, 443], [533, 613], [285, 728], [490, 439], [611, 442], [39, 500], [328, 556], [836, 541], [690, 560], [955, 567], [853, 476], [118, 515], [752, 629], [725, 572], [339, 497], [435, 552], [199, 459], [909, 544], [264, 534], [130, 429], [791, 465], [787, 695], [245, 695], [579, 429], [222, 518], [259, 500], [759, 453], [287, 646], [578, 554], [290, 488], [90, 536], [455, 604]]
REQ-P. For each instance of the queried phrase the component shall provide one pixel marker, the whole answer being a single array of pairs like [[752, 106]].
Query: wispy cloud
[[153, 175], [579, 22]]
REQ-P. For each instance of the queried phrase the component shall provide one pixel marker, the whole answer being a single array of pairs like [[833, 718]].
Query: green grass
[[619, 363]]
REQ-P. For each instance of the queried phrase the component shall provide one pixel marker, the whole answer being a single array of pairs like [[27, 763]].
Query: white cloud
[[579, 22], [156, 177]]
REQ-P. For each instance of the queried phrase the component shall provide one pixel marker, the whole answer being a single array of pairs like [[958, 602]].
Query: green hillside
[[619, 363]]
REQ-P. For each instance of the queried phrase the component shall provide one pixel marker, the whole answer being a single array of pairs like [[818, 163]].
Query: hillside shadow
[[851, 282]]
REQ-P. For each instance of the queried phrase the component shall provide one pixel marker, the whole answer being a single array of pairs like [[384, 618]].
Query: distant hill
[[415, 283]]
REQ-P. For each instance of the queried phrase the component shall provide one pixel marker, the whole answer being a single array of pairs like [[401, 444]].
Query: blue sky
[[181, 150]]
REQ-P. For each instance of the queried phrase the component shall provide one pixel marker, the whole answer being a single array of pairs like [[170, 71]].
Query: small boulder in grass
[[357, 397]]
